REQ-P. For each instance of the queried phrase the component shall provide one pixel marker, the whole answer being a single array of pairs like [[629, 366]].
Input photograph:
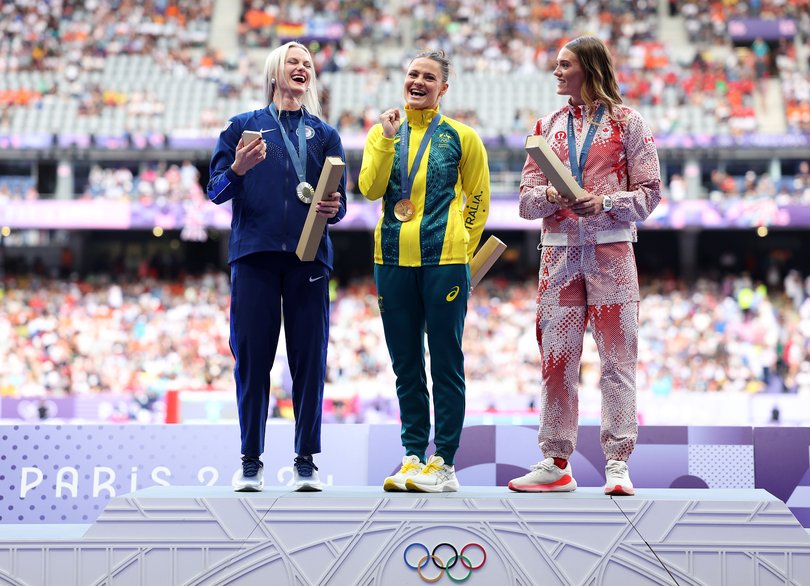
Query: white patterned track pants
[[596, 284]]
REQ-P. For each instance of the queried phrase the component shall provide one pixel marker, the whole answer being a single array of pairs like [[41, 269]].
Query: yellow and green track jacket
[[450, 192]]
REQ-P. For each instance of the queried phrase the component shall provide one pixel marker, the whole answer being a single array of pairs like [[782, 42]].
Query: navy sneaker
[[251, 479], [306, 475]]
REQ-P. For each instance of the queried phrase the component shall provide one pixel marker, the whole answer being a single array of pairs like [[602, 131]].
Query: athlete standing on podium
[[270, 182], [432, 175], [587, 267]]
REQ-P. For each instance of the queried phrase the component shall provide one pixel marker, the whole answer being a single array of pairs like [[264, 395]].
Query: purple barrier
[[363, 215], [175, 216], [355, 140], [44, 213], [771, 29], [35, 408], [26, 140]]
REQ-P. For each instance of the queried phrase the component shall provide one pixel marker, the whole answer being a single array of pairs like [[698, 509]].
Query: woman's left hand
[[588, 205], [329, 206]]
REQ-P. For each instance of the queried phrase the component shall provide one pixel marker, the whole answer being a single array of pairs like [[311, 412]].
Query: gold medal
[[305, 192], [404, 210]]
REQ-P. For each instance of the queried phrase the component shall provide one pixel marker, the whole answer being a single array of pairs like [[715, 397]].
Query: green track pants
[[415, 300]]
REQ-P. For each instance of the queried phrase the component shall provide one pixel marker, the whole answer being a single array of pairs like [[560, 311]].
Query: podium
[[206, 536]]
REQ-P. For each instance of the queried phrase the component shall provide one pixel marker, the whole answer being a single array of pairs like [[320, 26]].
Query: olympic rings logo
[[440, 563]]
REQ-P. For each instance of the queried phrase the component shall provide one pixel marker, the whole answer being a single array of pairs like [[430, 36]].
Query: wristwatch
[[607, 203]]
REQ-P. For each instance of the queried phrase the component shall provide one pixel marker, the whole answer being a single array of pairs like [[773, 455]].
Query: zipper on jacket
[[282, 128]]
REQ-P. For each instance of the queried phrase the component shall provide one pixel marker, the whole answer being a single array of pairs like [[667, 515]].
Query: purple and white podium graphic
[[783, 467], [145, 505], [68, 473]]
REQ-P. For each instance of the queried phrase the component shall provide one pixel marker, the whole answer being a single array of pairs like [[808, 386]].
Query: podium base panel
[[206, 536]]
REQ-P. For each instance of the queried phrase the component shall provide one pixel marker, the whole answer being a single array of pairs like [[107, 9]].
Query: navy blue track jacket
[[267, 214]]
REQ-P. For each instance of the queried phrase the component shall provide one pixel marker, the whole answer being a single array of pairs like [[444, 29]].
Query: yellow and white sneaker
[[411, 466], [436, 476]]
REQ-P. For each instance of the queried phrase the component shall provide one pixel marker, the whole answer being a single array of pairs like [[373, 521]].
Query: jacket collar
[[420, 117], [580, 111]]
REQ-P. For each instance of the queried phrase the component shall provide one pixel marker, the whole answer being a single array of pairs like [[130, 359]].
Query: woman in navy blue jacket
[[270, 183]]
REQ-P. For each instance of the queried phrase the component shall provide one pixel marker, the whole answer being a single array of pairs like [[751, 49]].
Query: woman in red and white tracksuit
[[587, 268]]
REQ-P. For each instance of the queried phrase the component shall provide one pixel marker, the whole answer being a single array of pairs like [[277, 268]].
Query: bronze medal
[[305, 192], [404, 210]]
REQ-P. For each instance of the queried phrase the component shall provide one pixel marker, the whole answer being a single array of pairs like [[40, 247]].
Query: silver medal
[[305, 192]]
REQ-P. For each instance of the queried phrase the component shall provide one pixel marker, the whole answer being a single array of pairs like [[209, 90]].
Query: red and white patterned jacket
[[622, 163]]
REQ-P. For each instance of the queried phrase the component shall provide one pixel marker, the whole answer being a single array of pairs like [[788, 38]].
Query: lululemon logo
[[453, 293]]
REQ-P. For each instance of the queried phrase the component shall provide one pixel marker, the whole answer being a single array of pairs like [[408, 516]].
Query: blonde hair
[[599, 80], [274, 70]]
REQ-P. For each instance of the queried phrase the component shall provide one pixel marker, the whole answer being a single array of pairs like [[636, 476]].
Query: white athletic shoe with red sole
[[617, 479], [545, 476]]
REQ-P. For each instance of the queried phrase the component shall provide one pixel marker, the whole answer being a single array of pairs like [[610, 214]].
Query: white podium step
[[206, 536]]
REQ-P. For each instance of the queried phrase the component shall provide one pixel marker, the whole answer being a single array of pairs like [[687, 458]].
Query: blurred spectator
[[17, 189], [162, 183]]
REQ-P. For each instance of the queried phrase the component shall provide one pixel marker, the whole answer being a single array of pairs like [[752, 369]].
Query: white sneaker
[[617, 479], [436, 476], [545, 476], [306, 477], [410, 467], [251, 477]]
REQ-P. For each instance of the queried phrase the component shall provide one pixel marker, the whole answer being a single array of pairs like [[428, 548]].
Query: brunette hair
[[599, 81], [439, 57]]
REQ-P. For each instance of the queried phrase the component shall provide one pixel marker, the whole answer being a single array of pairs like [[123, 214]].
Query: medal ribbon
[[299, 159], [577, 167], [406, 179]]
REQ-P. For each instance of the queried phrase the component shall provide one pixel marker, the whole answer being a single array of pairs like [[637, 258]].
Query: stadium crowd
[[169, 182], [75, 41], [17, 188], [148, 336]]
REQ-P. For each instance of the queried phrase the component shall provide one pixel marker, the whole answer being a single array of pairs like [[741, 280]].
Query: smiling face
[[570, 75], [424, 84], [297, 69]]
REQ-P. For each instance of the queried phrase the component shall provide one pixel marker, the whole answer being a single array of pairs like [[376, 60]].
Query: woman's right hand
[[553, 196], [390, 121], [248, 156]]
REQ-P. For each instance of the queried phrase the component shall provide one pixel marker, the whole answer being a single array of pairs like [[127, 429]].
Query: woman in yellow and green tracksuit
[[432, 175]]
